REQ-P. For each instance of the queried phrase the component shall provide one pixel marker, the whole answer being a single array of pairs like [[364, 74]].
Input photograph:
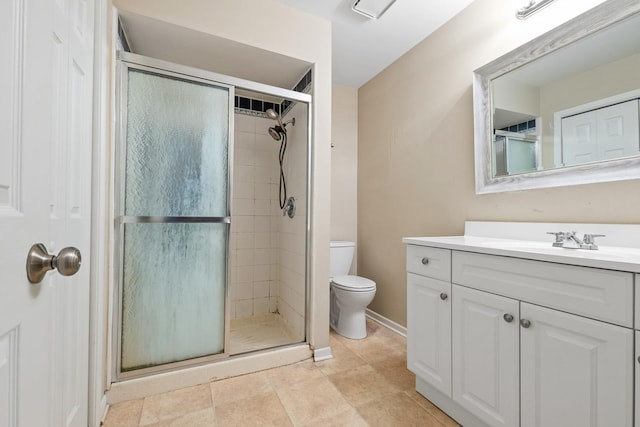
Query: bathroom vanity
[[516, 332]]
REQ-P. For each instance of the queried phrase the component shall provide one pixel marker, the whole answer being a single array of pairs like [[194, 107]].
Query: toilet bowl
[[350, 295]]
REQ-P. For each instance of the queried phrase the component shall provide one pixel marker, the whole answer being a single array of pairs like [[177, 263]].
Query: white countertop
[[608, 257]]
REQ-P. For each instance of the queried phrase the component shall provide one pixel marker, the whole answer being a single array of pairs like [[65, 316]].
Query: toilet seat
[[353, 283]]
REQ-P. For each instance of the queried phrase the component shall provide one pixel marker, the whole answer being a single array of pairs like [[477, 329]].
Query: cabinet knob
[[638, 359], [443, 296], [508, 317], [525, 323], [425, 261]]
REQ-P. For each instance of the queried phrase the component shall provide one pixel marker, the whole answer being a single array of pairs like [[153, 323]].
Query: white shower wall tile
[[244, 291], [262, 207], [260, 289], [260, 256], [244, 308], [262, 240], [260, 306]]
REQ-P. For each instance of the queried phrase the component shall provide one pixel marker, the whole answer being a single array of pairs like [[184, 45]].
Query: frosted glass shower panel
[[173, 302], [173, 219], [177, 147]]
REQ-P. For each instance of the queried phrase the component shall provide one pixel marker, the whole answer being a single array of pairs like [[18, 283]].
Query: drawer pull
[[443, 296], [508, 317], [425, 261], [525, 323]]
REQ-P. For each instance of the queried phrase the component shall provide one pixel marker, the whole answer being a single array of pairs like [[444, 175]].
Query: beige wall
[[307, 38], [344, 166], [415, 149]]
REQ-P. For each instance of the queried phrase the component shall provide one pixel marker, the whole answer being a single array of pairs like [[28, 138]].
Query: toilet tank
[[340, 257]]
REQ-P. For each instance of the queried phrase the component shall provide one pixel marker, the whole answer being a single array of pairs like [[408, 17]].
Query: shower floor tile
[[257, 333]]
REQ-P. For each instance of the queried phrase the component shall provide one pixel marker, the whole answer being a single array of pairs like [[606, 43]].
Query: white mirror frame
[[586, 24]]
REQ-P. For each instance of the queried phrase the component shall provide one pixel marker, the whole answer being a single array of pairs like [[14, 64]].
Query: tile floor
[[365, 384]]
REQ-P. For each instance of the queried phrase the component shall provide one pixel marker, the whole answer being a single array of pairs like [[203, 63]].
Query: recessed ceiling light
[[372, 8]]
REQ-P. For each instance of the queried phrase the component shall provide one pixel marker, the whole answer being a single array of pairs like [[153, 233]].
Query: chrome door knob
[[525, 323], [67, 262], [508, 317], [443, 296]]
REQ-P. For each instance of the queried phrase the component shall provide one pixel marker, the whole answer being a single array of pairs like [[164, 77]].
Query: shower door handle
[[39, 261]]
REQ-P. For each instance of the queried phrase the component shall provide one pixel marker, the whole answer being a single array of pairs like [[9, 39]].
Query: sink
[[603, 252], [517, 244]]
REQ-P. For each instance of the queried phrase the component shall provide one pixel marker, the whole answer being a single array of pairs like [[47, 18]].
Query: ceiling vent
[[373, 9]]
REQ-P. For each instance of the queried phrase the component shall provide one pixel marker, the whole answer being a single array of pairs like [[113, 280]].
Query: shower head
[[275, 133], [280, 129], [274, 116]]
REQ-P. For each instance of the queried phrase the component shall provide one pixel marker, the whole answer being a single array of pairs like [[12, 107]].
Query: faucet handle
[[560, 237], [590, 239]]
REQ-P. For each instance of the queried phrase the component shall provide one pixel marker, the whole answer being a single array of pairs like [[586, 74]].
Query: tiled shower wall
[[267, 249], [255, 219], [292, 242]]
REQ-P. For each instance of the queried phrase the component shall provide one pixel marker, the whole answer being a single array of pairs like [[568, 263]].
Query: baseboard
[[323, 353], [388, 323]]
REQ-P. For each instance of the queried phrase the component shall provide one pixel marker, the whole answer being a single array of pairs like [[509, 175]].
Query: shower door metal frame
[[126, 60], [165, 70]]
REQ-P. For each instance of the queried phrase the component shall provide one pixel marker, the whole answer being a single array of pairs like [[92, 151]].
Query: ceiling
[[364, 47]]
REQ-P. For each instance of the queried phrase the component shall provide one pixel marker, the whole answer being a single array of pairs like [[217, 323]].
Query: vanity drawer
[[591, 292], [430, 262]]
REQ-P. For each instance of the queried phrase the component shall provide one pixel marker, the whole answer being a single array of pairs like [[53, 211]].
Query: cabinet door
[[429, 330], [574, 371], [485, 355], [637, 361]]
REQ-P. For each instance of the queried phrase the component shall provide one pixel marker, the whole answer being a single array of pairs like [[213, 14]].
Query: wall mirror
[[563, 109]]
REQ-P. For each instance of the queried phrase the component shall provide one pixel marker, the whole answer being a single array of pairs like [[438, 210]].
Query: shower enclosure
[[208, 267]]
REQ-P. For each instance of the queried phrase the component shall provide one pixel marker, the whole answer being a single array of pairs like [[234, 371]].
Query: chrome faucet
[[572, 241], [569, 240]]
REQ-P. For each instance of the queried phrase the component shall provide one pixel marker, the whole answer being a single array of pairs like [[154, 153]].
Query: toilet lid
[[353, 283]]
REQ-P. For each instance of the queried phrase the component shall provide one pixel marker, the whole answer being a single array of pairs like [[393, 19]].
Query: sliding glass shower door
[[173, 218]]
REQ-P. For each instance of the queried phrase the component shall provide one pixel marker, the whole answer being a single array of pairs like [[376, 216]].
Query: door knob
[[67, 262]]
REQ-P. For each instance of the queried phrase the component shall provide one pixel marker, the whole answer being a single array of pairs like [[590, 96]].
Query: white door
[[429, 330], [45, 157], [486, 371], [575, 371], [579, 139], [618, 131]]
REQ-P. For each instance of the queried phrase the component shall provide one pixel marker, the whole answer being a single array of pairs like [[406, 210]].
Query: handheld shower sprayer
[[280, 129], [279, 133]]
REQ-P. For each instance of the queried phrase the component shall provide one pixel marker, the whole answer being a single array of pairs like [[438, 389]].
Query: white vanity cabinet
[[533, 343], [429, 316]]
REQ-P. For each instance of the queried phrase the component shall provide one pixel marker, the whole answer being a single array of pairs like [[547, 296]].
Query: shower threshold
[[259, 333]]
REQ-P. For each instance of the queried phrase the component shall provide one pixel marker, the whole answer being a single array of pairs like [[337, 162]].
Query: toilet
[[350, 295]]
